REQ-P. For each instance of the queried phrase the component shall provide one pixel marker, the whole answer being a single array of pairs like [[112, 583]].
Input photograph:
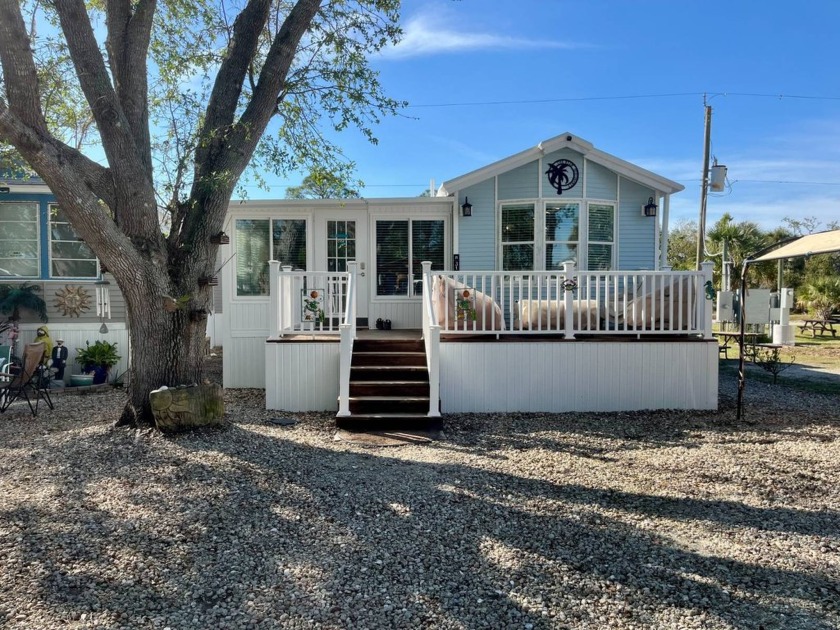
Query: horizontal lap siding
[[520, 183], [591, 376], [477, 240], [601, 182], [636, 249]]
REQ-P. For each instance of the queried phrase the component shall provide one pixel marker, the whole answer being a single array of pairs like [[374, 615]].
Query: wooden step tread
[[389, 367], [375, 352], [391, 398], [387, 383]]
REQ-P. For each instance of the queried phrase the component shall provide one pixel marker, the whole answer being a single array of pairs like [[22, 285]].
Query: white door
[[342, 237]]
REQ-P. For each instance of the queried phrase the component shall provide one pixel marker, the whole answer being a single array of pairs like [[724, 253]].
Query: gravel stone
[[668, 519]]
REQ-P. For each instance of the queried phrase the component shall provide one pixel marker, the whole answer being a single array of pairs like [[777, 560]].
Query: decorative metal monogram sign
[[562, 175]]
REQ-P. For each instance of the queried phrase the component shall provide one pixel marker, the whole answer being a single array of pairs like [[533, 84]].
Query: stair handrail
[[347, 330], [431, 340]]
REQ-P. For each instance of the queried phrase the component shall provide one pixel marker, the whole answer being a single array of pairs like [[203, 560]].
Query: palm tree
[[739, 240], [15, 300], [821, 296]]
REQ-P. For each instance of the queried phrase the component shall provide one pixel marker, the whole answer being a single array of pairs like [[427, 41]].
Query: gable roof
[[563, 141]]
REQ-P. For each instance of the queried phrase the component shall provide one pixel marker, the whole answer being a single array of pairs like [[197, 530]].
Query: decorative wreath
[[72, 301]]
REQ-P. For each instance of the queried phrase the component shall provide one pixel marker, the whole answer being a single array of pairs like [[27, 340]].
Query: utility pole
[[704, 186]]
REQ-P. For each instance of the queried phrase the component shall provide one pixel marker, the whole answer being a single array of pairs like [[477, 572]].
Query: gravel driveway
[[638, 520]]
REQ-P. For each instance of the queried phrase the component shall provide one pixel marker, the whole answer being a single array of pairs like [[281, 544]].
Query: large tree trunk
[[167, 338]]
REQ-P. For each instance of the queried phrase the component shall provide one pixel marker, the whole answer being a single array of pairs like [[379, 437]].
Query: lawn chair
[[25, 381]]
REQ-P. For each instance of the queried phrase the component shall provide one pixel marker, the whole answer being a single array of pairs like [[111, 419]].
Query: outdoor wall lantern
[[466, 207], [650, 208]]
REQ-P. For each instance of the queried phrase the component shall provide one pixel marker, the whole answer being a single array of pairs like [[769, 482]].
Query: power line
[[811, 97], [782, 181]]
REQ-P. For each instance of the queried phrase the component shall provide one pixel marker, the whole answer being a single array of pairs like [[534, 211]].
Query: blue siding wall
[[637, 234], [601, 182], [567, 154], [520, 183], [477, 244]]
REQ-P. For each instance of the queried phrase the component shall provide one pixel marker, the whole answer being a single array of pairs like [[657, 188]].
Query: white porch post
[[704, 304], [431, 338], [274, 330], [353, 270], [568, 301], [286, 302]]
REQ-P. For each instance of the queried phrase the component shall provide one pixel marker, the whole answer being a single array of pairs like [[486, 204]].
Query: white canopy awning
[[819, 243]]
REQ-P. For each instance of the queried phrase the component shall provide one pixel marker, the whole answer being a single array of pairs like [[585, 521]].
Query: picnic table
[[729, 339], [821, 326]]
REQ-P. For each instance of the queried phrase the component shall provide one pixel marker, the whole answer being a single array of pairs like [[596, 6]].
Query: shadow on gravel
[[345, 539]]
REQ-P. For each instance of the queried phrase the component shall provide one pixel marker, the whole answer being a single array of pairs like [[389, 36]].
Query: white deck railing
[[638, 303], [311, 302]]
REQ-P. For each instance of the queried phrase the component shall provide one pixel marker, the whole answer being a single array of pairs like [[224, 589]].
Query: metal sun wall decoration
[[72, 301], [562, 175]]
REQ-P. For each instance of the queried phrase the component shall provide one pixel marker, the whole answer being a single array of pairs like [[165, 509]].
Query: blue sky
[[459, 57]]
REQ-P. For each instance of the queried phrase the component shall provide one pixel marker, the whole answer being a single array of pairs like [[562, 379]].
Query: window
[[341, 244], [562, 225], [19, 239], [254, 250], [427, 243], [401, 248], [517, 237], [601, 236], [70, 257], [252, 256], [289, 242]]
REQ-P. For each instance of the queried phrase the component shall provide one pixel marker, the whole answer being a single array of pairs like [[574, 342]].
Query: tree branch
[[224, 99], [128, 46], [19, 72], [135, 209]]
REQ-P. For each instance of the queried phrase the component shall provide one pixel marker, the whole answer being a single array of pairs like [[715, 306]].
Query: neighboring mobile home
[[39, 246], [545, 289]]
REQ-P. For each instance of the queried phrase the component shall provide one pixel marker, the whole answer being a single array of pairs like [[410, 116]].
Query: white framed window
[[562, 233], [518, 236], [260, 240], [341, 244], [19, 236], [70, 256], [401, 247], [573, 230], [601, 232]]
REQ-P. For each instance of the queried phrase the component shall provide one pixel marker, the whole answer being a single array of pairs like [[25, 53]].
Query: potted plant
[[97, 358]]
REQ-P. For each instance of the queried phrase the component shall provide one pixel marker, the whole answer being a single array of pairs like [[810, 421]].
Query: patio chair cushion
[[551, 314], [671, 307], [488, 314]]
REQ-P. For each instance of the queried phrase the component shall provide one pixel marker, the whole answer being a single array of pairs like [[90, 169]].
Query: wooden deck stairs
[[389, 387]]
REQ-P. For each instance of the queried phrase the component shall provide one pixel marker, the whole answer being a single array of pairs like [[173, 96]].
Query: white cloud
[[428, 34]]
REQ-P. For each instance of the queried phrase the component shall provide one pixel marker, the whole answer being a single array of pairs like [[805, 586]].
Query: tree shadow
[[267, 526]]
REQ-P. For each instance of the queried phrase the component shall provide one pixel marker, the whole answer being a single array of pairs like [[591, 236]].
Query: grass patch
[[814, 386]]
